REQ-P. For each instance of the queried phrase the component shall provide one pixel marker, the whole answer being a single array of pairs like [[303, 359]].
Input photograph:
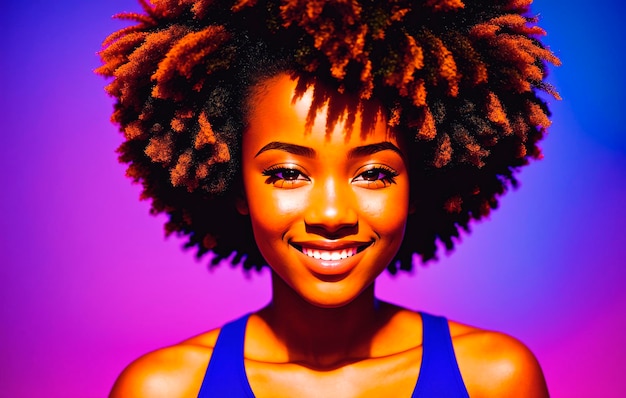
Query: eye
[[378, 176], [285, 177]]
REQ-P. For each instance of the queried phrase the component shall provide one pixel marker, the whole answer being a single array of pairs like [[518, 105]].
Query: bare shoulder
[[495, 364], [175, 371]]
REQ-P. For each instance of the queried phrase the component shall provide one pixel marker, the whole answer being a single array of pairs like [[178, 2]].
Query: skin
[[324, 333]]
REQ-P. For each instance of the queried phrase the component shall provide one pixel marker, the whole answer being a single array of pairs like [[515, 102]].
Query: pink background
[[88, 283]]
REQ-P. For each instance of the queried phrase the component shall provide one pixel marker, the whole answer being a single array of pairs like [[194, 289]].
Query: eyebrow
[[370, 149], [291, 148], [355, 152]]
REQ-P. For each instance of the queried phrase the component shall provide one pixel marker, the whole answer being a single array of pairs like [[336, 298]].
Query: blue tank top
[[439, 374]]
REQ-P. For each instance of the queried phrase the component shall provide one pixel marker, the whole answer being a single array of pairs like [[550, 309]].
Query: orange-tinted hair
[[458, 78]]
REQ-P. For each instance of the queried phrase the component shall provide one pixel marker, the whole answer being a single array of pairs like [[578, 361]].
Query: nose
[[331, 212]]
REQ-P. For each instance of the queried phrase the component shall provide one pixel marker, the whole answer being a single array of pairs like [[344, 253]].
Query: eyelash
[[381, 173], [275, 174]]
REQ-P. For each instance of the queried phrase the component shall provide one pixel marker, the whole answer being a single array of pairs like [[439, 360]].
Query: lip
[[334, 258]]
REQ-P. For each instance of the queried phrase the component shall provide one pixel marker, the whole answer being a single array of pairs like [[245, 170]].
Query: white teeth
[[332, 255]]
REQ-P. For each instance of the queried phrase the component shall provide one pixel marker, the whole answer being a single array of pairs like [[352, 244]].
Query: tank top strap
[[439, 373], [226, 374]]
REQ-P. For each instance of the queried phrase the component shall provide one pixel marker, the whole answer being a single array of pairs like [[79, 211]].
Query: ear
[[241, 204]]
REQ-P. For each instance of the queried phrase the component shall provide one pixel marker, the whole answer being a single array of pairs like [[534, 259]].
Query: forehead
[[277, 111]]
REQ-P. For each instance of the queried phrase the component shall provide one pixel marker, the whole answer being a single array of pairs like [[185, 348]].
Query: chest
[[394, 375]]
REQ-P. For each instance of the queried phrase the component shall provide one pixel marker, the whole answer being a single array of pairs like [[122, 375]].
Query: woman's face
[[328, 212]]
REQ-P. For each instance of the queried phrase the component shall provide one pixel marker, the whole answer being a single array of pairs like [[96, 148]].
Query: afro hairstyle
[[460, 79]]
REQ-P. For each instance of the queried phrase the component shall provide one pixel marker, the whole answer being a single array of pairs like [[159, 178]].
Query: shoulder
[[175, 371], [495, 364]]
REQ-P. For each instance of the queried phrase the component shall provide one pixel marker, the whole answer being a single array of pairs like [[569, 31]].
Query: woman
[[329, 140]]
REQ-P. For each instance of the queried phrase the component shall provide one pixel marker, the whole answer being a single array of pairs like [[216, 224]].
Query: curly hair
[[459, 79]]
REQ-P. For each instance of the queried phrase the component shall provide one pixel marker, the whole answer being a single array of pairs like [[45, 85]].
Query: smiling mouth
[[331, 255]]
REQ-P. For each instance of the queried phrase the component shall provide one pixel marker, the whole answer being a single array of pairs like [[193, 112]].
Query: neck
[[323, 337]]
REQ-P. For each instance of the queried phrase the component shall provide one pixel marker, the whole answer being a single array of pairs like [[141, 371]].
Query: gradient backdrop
[[88, 282]]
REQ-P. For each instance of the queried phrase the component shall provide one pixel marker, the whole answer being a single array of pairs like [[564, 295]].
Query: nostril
[[332, 232], [331, 217]]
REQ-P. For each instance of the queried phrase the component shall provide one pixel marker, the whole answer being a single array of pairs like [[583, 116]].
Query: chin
[[331, 295]]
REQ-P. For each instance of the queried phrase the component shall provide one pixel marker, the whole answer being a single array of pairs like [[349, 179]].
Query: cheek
[[288, 202], [275, 210], [387, 213]]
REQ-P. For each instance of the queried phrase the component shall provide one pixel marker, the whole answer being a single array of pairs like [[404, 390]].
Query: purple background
[[88, 283]]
